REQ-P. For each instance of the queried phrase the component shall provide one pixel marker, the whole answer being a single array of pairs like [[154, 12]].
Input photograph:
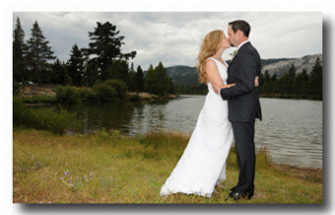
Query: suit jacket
[[243, 98]]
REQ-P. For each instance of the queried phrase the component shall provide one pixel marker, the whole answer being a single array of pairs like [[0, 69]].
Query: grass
[[108, 167]]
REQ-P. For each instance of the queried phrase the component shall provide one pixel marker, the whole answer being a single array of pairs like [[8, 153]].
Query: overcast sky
[[174, 38]]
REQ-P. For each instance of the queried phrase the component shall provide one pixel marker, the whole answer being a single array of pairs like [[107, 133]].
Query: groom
[[243, 105]]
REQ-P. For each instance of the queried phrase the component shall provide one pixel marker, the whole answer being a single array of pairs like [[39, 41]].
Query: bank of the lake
[[107, 167], [39, 95]]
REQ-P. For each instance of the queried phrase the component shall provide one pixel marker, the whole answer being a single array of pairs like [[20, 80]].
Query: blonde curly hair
[[208, 48]]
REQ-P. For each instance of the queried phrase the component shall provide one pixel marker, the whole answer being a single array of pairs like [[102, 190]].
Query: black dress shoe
[[235, 195], [247, 195], [239, 195]]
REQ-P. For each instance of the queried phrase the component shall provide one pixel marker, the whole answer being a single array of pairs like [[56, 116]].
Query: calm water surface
[[291, 130]]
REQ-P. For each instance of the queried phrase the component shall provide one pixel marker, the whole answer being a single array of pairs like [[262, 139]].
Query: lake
[[291, 130]]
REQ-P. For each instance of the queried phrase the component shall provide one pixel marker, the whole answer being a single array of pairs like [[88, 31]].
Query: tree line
[[103, 60], [293, 85]]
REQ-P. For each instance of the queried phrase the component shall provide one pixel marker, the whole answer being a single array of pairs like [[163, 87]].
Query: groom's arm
[[248, 69]]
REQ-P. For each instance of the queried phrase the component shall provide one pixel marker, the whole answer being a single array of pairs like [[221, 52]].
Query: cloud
[[175, 37]]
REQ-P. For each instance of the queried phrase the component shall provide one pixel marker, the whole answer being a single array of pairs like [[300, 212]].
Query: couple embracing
[[228, 114]]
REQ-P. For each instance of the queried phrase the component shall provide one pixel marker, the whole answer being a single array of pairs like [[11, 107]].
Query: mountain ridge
[[187, 76]]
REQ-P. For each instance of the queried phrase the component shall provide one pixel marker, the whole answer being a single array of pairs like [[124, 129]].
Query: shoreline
[[40, 95]]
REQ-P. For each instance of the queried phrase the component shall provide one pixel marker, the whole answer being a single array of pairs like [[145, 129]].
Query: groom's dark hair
[[242, 26]]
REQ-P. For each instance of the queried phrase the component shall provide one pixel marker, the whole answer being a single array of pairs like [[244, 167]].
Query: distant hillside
[[187, 76], [183, 75], [280, 67]]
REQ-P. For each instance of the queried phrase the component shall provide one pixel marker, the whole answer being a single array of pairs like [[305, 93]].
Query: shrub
[[120, 87], [105, 92], [40, 99], [86, 94], [57, 122], [67, 95], [21, 114]]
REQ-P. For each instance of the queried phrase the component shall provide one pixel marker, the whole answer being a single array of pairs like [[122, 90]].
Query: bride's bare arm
[[214, 77]]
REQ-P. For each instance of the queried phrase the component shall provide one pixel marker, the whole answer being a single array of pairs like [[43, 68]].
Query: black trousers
[[245, 148]]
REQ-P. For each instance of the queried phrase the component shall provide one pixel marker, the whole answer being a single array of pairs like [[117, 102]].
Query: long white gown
[[203, 163]]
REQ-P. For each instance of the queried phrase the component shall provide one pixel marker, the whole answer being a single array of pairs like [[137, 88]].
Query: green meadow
[[108, 167]]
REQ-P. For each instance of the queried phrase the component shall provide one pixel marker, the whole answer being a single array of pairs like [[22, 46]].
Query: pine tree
[[61, 75], [39, 53], [316, 79], [274, 77], [301, 83], [106, 47], [157, 82], [19, 52], [119, 69], [261, 81], [266, 88], [150, 79], [76, 66], [139, 77], [290, 79], [91, 75], [267, 76], [274, 85], [131, 79]]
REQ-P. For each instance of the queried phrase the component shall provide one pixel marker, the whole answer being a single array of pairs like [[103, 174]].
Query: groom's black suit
[[244, 107]]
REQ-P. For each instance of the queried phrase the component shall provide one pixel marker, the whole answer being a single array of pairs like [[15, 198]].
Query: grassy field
[[108, 167]]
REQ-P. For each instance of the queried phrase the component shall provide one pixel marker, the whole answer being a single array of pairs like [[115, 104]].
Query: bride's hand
[[256, 81], [229, 85]]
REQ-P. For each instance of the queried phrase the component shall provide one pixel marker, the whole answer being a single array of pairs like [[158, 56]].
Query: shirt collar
[[242, 44]]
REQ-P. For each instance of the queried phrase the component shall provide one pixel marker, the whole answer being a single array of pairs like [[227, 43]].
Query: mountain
[[280, 67], [183, 75], [188, 76]]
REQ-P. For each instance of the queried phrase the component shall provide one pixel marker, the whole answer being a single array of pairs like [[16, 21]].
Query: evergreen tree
[[91, 75], [274, 77], [61, 75], [261, 81], [38, 55], [316, 79], [274, 85], [286, 82], [290, 79], [149, 80], [301, 83], [267, 76], [266, 86], [76, 66], [19, 52], [106, 47], [139, 77], [157, 82], [119, 69], [131, 79]]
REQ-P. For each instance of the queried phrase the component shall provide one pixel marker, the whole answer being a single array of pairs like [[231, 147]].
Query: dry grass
[[111, 168]]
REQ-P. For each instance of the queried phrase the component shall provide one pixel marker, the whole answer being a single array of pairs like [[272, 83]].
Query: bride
[[203, 163]]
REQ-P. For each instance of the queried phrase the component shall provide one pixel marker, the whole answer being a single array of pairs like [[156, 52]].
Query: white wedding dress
[[203, 163]]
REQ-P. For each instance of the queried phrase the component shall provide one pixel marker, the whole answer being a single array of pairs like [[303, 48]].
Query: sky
[[174, 38]]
